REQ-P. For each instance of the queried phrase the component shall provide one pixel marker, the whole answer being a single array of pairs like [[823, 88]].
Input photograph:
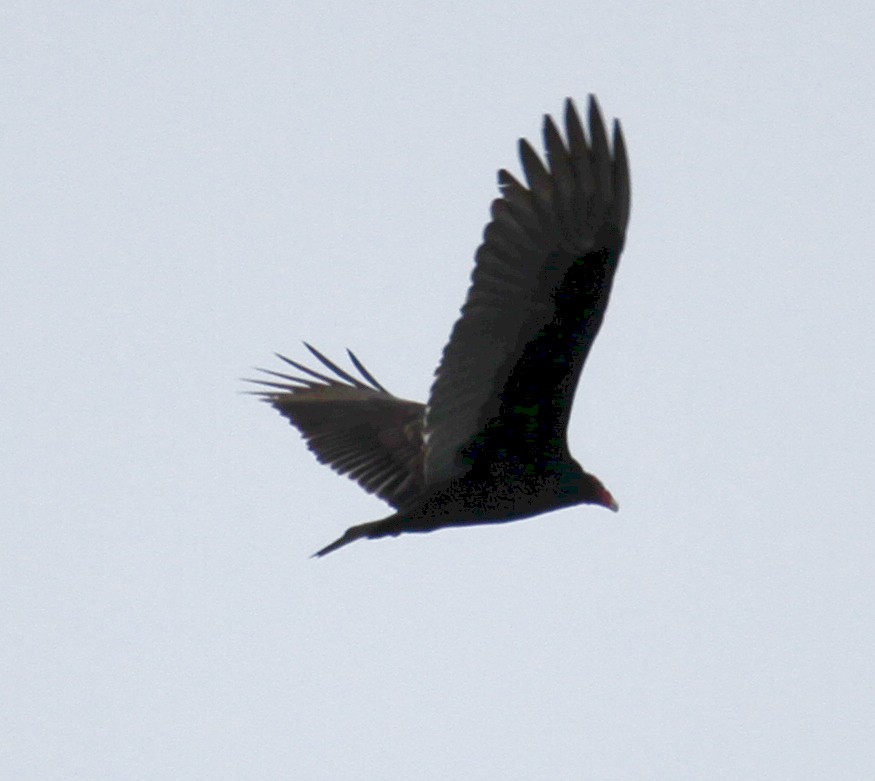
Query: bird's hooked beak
[[607, 500]]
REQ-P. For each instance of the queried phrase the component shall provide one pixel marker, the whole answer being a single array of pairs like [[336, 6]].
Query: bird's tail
[[373, 530]]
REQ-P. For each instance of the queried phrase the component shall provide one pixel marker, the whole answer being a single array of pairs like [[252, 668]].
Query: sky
[[188, 188]]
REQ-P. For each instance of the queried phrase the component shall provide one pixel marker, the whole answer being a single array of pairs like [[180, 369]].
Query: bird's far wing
[[538, 294], [360, 430]]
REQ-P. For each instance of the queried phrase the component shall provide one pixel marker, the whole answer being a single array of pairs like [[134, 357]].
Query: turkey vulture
[[490, 445]]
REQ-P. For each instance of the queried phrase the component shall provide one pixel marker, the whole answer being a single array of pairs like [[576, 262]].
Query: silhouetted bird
[[490, 446]]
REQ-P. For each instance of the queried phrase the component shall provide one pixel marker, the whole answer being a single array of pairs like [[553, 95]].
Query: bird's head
[[600, 494], [580, 487]]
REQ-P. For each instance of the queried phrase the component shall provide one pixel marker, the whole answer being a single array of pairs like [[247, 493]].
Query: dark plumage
[[490, 446]]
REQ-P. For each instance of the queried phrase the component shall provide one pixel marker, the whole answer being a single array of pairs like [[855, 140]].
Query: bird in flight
[[490, 446]]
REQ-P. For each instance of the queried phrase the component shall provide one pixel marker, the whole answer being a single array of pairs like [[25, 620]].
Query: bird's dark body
[[517, 492], [490, 446]]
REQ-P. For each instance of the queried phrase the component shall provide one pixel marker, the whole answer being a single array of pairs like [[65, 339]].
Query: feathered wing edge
[[357, 428], [535, 235]]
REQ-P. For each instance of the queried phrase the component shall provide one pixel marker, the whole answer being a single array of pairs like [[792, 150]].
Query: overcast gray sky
[[188, 187]]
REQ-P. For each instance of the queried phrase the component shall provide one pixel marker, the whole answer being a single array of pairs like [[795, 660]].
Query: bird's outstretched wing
[[539, 290], [360, 430]]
